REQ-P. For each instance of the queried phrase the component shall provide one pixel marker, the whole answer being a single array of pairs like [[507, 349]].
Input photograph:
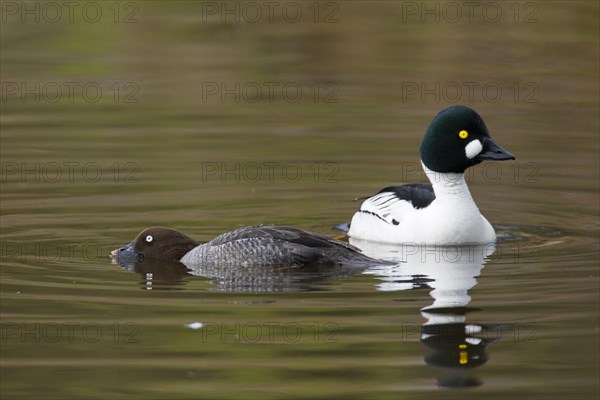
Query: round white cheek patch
[[473, 148]]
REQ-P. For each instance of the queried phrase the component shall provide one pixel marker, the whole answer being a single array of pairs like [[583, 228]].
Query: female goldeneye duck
[[442, 212], [264, 245]]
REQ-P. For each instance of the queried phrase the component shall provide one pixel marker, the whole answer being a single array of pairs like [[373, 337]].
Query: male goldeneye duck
[[442, 212], [264, 245]]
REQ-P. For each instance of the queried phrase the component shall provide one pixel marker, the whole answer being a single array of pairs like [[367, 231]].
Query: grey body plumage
[[272, 245]]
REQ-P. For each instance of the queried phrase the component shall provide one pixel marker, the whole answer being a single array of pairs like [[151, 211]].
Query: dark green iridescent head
[[450, 143]]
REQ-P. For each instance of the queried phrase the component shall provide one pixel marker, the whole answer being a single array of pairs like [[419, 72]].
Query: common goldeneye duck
[[264, 245], [442, 212]]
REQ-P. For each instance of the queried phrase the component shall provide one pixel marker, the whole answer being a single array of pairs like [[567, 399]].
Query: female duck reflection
[[451, 272]]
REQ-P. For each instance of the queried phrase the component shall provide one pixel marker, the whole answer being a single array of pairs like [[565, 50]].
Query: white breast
[[453, 217]]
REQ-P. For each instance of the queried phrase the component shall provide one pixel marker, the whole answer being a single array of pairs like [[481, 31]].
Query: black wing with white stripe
[[392, 202], [420, 195]]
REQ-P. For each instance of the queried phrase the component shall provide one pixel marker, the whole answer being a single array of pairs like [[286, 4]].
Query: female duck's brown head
[[156, 242]]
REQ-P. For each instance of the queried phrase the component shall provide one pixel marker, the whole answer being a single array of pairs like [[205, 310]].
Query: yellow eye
[[463, 134]]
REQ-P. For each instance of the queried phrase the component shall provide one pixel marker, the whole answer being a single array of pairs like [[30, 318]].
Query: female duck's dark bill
[[127, 253], [492, 151]]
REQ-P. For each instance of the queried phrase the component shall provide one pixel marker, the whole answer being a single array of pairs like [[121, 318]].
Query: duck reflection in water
[[171, 275], [450, 271]]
